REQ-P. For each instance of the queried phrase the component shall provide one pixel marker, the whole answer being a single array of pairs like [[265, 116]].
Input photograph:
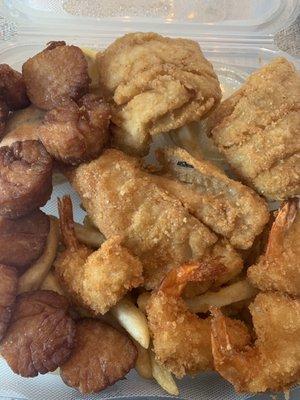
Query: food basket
[[237, 36]]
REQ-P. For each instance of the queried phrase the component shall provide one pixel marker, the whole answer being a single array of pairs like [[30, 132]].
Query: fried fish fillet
[[122, 199], [229, 208], [279, 268], [258, 130], [158, 84]]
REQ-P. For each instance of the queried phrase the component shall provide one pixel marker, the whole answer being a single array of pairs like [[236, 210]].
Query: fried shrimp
[[87, 275], [58, 73], [181, 339], [158, 84], [41, 334], [279, 268], [102, 355], [28, 235], [12, 88], [8, 293], [272, 361], [25, 178], [75, 133]]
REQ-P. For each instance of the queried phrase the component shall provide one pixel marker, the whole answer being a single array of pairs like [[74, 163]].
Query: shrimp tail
[[177, 279], [66, 223], [283, 222]]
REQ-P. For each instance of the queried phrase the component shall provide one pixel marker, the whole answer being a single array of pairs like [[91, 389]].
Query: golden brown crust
[[272, 362], [229, 208], [58, 73], [158, 84], [25, 178], [8, 293], [101, 356], [181, 340], [41, 334], [28, 237], [121, 199], [76, 133], [257, 129], [279, 268]]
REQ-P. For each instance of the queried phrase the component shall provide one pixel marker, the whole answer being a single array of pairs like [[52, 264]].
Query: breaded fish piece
[[258, 130], [96, 280], [158, 84], [272, 362], [122, 199], [279, 268], [229, 208]]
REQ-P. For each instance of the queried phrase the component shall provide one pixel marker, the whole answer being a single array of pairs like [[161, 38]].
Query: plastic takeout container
[[237, 36]]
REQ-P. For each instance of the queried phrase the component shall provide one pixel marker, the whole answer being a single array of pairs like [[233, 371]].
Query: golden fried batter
[[76, 133], [121, 199], [58, 73], [158, 84], [99, 279], [279, 268], [181, 340], [257, 129], [273, 361], [229, 208]]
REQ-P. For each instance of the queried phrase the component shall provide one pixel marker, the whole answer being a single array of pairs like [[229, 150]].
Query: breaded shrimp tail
[[181, 340]]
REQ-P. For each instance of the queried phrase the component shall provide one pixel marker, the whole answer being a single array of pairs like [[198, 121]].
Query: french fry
[[132, 320], [35, 275], [89, 236], [142, 301], [163, 377], [238, 291], [143, 362], [51, 283]]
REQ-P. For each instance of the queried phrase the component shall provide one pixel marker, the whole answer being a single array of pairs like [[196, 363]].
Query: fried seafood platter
[[177, 267]]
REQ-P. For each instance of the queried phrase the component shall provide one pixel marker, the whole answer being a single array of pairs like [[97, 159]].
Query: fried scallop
[[12, 88], [57, 73], [257, 129], [229, 208], [22, 125], [41, 334], [272, 362], [101, 356], [8, 293], [25, 178], [23, 240], [279, 268], [158, 84], [4, 112], [75, 133]]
